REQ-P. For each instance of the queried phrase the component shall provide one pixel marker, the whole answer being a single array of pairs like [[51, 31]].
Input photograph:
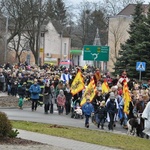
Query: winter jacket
[[102, 112], [61, 100], [21, 90], [34, 90], [88, 108], [112, 107]]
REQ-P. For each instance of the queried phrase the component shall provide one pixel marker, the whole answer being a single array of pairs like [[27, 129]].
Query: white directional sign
[[140, 66]]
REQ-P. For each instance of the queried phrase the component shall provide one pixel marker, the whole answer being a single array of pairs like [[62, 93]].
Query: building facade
[[55, 45], [118, 32]]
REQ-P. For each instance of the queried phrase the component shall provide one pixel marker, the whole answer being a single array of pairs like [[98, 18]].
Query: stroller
[[76, 110]]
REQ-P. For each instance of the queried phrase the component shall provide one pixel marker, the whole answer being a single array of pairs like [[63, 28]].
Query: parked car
[[66, 64]]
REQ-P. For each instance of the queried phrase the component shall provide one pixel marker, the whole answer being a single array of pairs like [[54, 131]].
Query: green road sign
[[96, 53]]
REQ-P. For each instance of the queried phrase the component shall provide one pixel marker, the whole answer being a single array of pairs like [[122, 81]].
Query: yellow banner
[[90, 91], [97, 75], [77, 84], [105, 87], [126, 97]]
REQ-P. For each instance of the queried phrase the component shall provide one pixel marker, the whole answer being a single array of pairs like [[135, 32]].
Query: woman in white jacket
[[146, 117]]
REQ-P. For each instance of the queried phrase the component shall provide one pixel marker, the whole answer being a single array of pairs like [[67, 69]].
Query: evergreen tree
[[50, 9], [60, 12], [98, 21], [136, 48]]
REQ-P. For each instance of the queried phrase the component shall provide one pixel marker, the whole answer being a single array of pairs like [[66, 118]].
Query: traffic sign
[[96, 53], [41, 50], [140, 66]]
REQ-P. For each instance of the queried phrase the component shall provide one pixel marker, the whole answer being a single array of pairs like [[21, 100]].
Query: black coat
[[112, 107], [102, 112]]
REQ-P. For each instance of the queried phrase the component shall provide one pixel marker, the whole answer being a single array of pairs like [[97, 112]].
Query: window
[[42, 34]]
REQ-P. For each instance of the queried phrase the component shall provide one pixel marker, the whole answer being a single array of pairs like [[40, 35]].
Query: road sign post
[[140, 66], [96, 53]]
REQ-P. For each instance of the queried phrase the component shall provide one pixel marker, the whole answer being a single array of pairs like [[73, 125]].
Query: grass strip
[[103, 138]]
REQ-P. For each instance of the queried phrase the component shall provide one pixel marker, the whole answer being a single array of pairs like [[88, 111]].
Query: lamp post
[[6, 32], [61, 49]]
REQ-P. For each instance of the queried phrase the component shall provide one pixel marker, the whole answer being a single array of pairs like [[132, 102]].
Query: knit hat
[[102, 103], [112, 95]]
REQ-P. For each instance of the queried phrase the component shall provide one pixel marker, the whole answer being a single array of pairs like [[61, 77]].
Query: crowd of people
[[48, 85]]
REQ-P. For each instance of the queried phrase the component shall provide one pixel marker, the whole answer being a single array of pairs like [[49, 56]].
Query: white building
[[55, 43]]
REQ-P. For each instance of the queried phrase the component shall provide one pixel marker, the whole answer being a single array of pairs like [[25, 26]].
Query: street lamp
[[61, 40], [6, 32]]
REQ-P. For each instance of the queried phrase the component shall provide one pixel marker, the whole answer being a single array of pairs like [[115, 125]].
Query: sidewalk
[[63, 143]]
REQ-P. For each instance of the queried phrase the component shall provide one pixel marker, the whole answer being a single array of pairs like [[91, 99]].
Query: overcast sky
[[78, 1]]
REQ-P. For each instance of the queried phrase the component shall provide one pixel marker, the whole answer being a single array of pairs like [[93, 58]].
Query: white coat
[[146, 114]]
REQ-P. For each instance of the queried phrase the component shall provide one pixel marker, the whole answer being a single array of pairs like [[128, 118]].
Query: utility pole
[[39, 31], [61, 44], [6, 32], [97, 42]]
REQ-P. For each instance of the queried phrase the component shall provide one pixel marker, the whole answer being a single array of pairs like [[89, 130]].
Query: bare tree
[[18, 44], [18, 13], [84, 22], [25, 18], [117, 35]]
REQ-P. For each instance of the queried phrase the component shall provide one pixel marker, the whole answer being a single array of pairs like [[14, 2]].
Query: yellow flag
[[126, 97], [105, 87], [77, 84], [85, 67], [90, 91]]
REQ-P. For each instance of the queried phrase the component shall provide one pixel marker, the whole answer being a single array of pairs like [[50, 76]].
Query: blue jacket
[[34, 90], [87, 108]]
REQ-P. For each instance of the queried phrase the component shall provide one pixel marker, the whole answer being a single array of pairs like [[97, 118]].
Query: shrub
[[5, 125], [13, 133]]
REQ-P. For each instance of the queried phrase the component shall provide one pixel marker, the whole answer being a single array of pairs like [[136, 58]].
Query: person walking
[[137, 111], [68, 95], [52, 99], [34, 90], [102, 114], [111, 106], [46, 98], [87, 109], [146, 117], [61, 100]]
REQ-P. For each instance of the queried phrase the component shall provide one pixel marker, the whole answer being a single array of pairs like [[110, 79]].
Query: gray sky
[[78, 1]]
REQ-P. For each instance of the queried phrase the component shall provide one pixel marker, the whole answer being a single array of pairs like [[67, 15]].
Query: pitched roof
[[59, 28], [129, 9]]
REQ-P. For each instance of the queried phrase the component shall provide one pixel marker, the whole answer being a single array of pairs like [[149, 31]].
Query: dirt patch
[[17, 141], [12, 102]]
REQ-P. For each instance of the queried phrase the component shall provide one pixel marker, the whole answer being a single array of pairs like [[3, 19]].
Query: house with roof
[[55, 43], [118, 31]]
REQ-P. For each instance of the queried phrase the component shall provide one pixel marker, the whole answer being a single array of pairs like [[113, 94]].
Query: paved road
[[39, 116]]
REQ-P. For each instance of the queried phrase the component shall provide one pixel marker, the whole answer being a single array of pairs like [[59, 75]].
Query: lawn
[[104, 138]]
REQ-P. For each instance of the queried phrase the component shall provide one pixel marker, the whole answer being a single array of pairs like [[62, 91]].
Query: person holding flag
[[76, 89], [90, 90], [77, 84]]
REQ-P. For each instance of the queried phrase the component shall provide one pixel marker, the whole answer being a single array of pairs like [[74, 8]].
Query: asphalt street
[[38, 116]]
